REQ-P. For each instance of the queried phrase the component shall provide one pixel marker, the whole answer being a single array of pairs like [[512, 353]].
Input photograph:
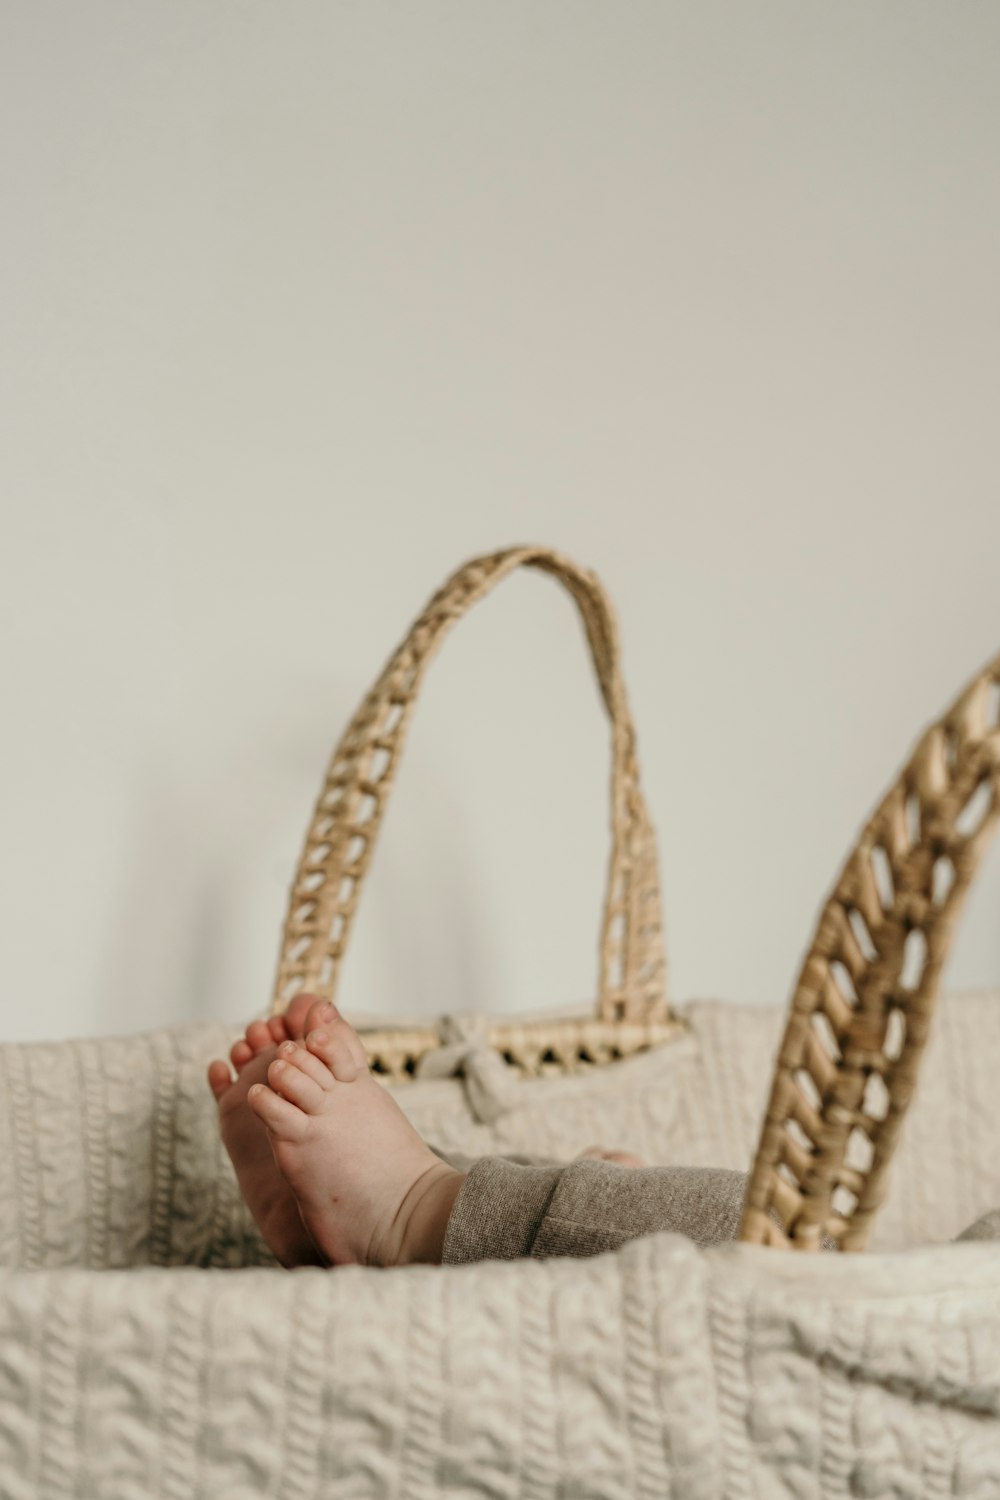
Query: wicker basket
[[632, 1013]]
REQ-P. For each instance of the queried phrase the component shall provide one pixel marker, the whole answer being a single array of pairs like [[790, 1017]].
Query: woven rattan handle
[[349, 811], [862, 1007]]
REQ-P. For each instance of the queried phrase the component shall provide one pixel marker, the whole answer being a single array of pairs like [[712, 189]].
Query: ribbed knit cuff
[[498, 1212]]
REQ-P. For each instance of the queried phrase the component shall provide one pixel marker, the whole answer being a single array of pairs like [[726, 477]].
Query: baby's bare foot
[[621, 1158], [369, 1189], [268, 1196]]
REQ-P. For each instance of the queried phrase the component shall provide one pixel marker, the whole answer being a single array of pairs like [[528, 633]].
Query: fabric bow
[[491, 1085]]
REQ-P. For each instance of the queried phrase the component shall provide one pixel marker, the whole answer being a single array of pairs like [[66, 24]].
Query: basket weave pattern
[[632, 1010], [863, 1003]]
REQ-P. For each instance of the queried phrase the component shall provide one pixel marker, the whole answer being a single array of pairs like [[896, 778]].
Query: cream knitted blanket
[[659, 1371], [133, 1364]]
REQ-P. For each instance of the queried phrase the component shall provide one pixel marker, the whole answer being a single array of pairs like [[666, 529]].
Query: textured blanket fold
[[657, 1371]]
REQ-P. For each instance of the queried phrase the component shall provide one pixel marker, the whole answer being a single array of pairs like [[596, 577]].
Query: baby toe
[[240, 1053], [326, 1017], [296, 1012], [297, 1054], [320, 1013], [219, 1077], [281, 1117], [616, 1158], [332, 1045], [258, 1036], [295, 1085], [358, 1049], [276, 1026]]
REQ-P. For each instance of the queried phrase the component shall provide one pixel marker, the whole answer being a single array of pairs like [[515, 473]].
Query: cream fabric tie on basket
[[492, 1087]]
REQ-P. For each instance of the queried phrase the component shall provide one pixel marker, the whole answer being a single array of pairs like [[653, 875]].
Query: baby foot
[[369, 1189], [601, 1153], [268, 1196]]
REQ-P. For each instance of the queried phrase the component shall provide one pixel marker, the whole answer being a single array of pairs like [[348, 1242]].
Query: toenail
[[287, 1047], [319, 1037], [329, 1012], [255, 1088]]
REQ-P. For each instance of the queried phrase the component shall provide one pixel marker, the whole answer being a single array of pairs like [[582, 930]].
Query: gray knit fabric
[[986, 1228], [505, 1210]]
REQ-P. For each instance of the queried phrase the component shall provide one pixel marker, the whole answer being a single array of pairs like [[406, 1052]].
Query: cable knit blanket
[[658, 1371], [143, 1355]]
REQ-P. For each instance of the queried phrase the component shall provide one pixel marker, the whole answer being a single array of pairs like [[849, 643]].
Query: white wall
[[305, 303]]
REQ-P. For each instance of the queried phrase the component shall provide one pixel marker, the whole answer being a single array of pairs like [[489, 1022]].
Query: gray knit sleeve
[[499, 1211]]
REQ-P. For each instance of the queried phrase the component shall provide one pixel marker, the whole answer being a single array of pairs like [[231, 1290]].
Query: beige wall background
[[303, 304]]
